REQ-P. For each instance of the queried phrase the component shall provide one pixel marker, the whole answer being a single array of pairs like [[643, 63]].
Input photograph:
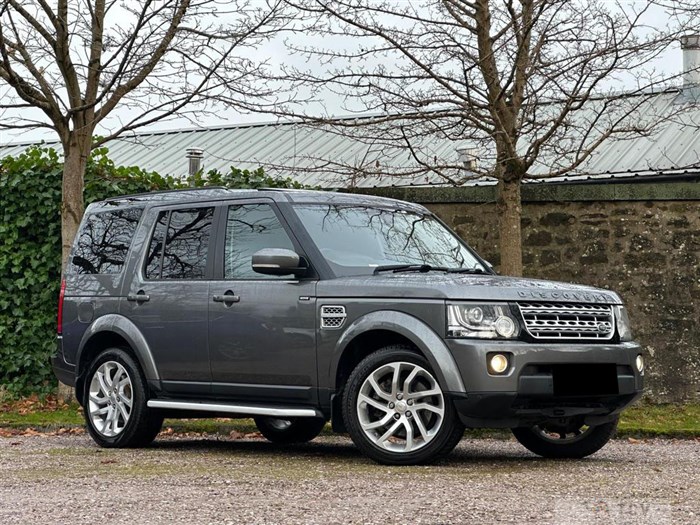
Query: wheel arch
[[113, 330], [381, 328]]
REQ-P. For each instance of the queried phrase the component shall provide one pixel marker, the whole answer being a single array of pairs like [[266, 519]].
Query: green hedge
[[30, 249]]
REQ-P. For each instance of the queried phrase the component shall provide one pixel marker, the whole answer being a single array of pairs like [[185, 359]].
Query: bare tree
[[527, 88], [68, 65]]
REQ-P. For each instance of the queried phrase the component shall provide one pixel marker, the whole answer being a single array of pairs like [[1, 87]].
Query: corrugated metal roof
[[315, 155]]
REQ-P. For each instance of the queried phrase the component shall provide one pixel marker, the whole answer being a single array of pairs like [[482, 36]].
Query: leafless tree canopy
[[515, 82], [68, 65]]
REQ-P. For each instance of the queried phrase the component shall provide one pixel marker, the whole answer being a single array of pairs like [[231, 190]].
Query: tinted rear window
[[104, 240], [186, 244]]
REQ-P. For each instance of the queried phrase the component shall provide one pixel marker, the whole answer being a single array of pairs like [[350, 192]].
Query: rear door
[[262, 338], [168, 295]]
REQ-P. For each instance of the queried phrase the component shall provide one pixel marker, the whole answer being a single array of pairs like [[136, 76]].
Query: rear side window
[[104, 240], [178, 248]]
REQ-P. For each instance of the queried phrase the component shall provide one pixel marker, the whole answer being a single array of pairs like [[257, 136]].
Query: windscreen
[[357, 239]]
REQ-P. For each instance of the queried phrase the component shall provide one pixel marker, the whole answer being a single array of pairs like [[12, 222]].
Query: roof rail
[[162, 192], [289, 189]]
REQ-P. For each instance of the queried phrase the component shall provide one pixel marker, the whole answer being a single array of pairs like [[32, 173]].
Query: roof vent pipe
[[469, 157], [690, 44], [195, 156]]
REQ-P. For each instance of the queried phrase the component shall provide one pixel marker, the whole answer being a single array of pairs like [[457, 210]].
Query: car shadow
[[260, 447], [469, 453]]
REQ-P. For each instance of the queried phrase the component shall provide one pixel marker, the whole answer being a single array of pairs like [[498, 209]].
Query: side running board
[[252, 410]]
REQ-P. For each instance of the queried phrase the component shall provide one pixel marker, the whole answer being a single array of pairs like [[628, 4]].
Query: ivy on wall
[[30, 249]]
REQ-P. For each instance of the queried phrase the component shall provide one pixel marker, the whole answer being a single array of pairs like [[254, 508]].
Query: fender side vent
[[332, 316]]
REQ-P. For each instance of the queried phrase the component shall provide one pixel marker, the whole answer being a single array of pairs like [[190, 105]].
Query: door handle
[[228, 298], [139, 297]]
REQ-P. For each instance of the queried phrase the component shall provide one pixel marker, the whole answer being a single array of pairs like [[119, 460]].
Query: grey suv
[[300, 307]]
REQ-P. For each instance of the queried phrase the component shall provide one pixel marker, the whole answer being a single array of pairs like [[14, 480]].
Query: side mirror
[[277, 261]]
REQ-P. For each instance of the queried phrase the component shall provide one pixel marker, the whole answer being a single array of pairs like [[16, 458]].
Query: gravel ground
[[67, 479]]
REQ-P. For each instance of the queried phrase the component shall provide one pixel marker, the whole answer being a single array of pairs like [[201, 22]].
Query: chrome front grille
[[332, 316], [568, 320]]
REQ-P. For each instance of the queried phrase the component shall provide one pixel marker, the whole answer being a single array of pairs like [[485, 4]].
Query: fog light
[[505, 327], [640, 363], [498, 363]]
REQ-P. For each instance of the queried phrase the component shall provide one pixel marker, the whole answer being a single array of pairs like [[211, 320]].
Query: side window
[[154, 259], [249, 228], [178, 248], [104, 240]]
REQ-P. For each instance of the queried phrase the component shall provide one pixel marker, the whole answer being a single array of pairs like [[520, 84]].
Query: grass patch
[[661, 420], [42, 418], [211, 426], [682, 421]]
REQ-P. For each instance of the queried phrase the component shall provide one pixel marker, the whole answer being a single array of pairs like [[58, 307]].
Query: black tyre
[[574, 440], [395, 410], [115, 402], [285, 431]]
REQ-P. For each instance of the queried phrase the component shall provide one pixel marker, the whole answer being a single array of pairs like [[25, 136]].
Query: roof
[[211, 193], [310, 154], [284, 149]]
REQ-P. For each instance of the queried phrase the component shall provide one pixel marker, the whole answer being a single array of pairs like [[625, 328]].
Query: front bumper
[[528, 394]]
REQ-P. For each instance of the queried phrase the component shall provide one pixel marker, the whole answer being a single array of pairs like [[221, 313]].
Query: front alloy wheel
[[395, 410], [400, 407]]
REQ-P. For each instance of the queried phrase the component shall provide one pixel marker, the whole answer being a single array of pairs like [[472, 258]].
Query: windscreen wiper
[[476, 271], [422, 268]]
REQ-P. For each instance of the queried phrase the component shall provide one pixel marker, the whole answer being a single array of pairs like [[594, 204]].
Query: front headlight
[[485, 321], [623, 323]]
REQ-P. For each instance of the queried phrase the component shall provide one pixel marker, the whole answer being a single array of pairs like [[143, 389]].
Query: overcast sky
[[670, 64]]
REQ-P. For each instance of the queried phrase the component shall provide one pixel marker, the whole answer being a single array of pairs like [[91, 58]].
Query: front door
[[261, 327]]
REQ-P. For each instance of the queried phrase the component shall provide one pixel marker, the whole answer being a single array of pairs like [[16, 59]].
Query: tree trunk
[[509, 213], [72, 205], [76, 153]]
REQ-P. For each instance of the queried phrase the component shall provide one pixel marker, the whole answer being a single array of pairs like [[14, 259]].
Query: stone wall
[[648, 250]]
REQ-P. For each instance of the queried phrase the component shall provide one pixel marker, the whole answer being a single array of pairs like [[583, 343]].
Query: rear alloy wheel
[[110, 399], [285, 431], [572, 440], [395, 410], [115, 402]]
